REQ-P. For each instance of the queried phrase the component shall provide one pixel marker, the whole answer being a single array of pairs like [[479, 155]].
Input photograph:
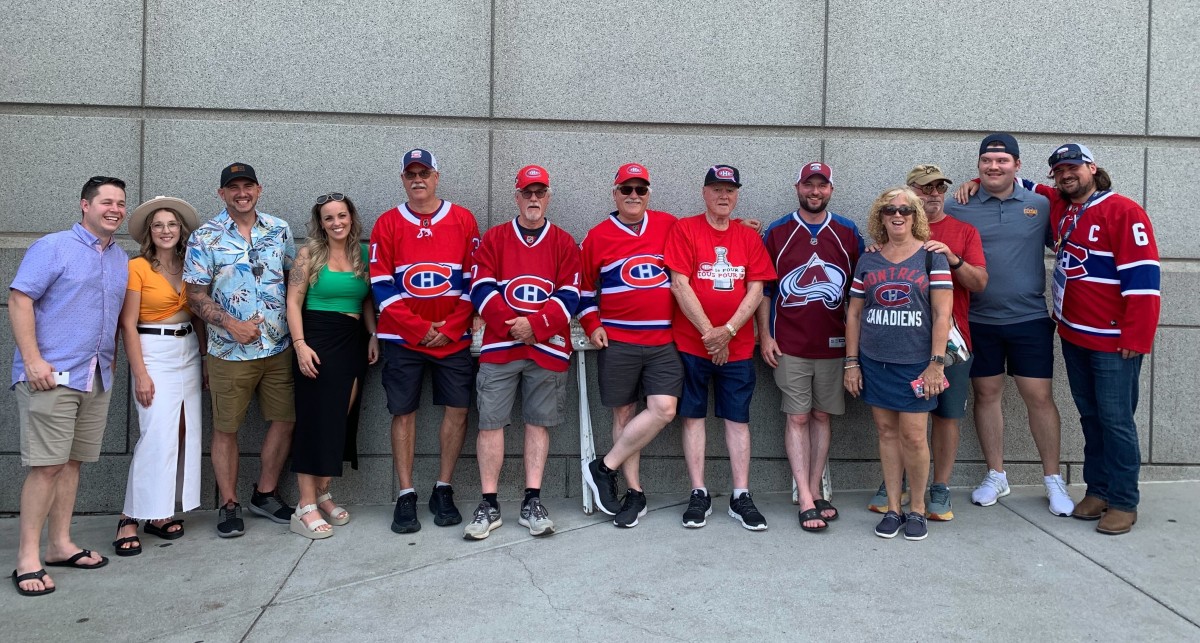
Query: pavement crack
[[533, 579], [274, 595]]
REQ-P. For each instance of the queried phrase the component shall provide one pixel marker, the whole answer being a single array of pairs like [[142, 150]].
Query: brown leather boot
[[1090, 508], [1116, 522]]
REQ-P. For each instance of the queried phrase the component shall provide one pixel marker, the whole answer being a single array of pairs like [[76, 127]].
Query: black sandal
[[162, 532], [118, 543], [809, 515], [824, 505]]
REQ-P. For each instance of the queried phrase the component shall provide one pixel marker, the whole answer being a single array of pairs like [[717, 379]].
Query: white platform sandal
[[332, 516], [309, 531]]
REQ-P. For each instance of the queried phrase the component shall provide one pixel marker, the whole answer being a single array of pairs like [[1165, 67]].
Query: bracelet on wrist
[[849, 358], [297, 341], [850, 366]]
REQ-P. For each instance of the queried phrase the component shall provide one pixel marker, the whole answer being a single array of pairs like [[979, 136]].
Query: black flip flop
[[162, 532], [74, 561], [117, 544], [812, 514], [824, 505], [38, 575]]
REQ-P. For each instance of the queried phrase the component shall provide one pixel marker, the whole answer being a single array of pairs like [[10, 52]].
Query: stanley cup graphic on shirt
[[722, 271]]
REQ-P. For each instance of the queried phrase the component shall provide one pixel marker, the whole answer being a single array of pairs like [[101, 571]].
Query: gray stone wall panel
[[1174, 68], [371, 57], [1177, 351], [1170, 199]]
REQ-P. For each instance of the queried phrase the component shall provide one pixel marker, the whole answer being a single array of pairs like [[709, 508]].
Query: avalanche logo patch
[[644, 271], [527, 293], [1072, 261], [812, 282], [427, 280], [893, 294]]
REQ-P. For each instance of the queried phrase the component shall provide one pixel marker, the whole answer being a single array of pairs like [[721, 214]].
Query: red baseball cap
[[631, 171], [531, 174], [815, 169]]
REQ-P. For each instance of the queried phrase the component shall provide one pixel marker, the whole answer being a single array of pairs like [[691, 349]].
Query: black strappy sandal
[[162, 532], [118, 543]]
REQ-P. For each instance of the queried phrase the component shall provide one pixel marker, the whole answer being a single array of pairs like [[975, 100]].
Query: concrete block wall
[[323, 96]]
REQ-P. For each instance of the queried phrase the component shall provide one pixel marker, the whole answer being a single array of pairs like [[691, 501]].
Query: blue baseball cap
[[999, 140], [722, 174], [1072, 154], [418, 155]]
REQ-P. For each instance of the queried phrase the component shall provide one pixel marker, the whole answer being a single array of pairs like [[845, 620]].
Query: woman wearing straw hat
[[164, 343]]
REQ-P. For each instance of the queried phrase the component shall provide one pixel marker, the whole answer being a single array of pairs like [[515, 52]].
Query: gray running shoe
[[484, 520], [939, 507], [535, 516]]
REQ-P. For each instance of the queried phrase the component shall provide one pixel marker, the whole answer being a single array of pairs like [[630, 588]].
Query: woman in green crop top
[[332, 322]]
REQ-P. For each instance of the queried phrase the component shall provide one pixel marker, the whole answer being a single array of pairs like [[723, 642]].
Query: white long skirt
[[160, 472]]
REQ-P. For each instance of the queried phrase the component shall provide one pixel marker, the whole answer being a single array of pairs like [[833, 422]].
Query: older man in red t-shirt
[[717, 274]]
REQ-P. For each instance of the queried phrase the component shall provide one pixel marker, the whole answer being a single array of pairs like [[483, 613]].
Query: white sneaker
[[1056, 492], [993, 487]]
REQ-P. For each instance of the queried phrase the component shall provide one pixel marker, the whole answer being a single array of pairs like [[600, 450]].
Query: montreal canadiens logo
[[724, 173], [527, 293], [428, 279], [893, 293], [644, 271], [1073, 261], [812, 282], [533, 173]]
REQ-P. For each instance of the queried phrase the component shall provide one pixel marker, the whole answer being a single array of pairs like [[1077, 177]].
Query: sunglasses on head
[[640, 190], [903, 210], [107, 180], [332, 196], [940, 187]]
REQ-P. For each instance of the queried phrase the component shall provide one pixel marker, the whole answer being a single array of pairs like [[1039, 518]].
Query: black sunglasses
[[107, 180], [641, 190], [332, 196], [904, 210], [257, 268], [940, 188]]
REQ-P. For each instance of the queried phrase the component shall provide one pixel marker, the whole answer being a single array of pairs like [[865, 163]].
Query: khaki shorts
[[61, 424], [809, 384], [543, 394], [233, 383]]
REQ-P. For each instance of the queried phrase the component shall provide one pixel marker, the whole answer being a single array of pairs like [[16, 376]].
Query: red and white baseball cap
[[815, 169], [531, 174], [631, 171]]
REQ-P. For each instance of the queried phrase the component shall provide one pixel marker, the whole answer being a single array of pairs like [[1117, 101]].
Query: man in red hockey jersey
[[421, 269], [626, 310], [717, 272], [1106, 302], [526, 288]]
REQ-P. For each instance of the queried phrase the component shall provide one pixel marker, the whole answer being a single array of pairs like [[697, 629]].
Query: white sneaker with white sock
[[1056, 492], [993, 487]]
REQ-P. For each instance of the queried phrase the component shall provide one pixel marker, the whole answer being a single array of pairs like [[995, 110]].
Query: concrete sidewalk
[[1004, 572]]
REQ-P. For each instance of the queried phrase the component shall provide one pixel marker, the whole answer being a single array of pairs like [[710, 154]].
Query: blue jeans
[[1105, 388]]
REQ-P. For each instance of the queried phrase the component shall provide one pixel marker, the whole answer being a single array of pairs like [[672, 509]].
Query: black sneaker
[[699, 507], [230, 524], [915, 527], [742, 509], [632, 508], [890, 525], [603, 486], [404, 518], [271, 506], [441, 504]]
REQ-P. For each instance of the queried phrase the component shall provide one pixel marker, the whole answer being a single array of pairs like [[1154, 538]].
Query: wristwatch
[[732, 332], [958, 265], [940, 359]]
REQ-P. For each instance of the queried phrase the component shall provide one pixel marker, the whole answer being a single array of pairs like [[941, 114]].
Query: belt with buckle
[[170, 332]]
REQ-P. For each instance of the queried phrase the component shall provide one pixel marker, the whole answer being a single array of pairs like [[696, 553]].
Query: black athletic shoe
[[699, 508], [271, 506], [404, 518], [742, 509], [441, 504], [632, 508], [231, 524], [603, 486]]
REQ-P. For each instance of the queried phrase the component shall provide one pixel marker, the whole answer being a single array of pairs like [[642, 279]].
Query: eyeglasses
[[641, 190], [257, 268], [163, 227], [410, 176], [904, 210], [940, 187], [529, 194], [332, 196]]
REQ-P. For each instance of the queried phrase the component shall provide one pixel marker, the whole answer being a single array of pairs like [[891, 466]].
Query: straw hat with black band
[[137, 220]]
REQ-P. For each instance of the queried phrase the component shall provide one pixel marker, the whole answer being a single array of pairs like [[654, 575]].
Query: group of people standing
[[232, 305]]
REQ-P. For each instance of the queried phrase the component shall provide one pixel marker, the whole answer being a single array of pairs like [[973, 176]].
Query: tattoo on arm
[[204, 307]]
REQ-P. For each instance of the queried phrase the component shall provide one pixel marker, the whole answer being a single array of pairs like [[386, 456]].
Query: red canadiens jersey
[[718, 264], [539, 281], [1111, 299], [808, 314], [626, 284], [421, 268], [963, 240]]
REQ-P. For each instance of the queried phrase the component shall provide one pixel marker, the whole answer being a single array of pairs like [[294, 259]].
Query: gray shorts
[[543, 394], [952, 403], [808, 384], [628, 372]]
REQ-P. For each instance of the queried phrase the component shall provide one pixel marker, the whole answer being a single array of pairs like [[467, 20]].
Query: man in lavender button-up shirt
[[63, 305]]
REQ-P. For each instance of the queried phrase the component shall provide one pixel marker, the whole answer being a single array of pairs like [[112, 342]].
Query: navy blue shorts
[[733, 384], [404, 372], [887, 386], [1024, 349]]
